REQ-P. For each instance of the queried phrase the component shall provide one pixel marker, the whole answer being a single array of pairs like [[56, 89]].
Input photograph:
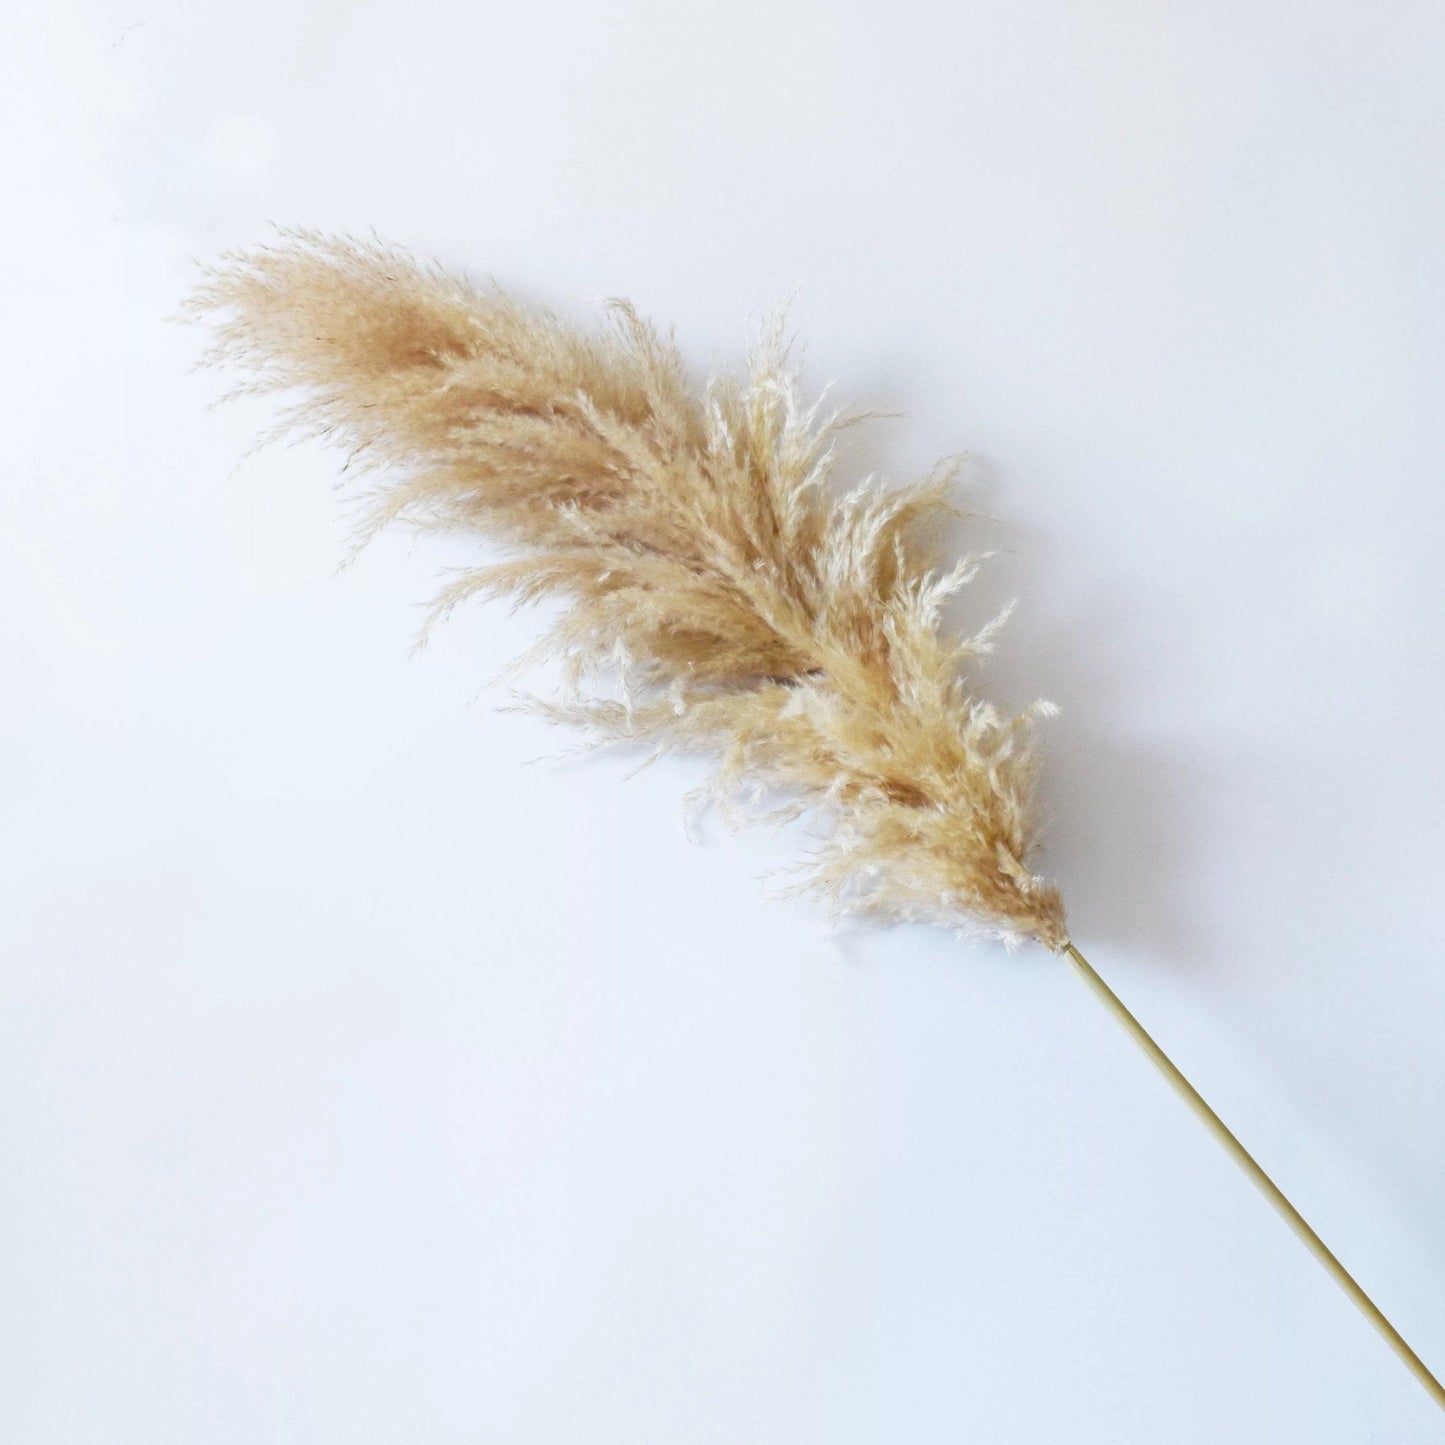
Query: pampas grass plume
[[720, 592]]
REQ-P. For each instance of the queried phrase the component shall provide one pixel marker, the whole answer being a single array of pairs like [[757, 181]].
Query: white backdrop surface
[[363, 1084]]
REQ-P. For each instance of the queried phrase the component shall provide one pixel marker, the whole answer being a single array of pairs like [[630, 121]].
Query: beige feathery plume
[[719, 593], [739, 604]]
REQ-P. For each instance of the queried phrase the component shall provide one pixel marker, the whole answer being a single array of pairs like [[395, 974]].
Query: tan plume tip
[[720, 594]]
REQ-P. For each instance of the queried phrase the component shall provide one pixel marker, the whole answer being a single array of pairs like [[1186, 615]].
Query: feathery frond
[[701, 555]]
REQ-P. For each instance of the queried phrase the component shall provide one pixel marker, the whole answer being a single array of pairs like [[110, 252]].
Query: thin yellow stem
[[1262, 1181]]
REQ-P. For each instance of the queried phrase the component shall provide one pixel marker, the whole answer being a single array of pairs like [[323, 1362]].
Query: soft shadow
[[1121, 811]]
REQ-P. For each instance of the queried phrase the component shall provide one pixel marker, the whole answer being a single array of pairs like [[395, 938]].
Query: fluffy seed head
[[719, 593]]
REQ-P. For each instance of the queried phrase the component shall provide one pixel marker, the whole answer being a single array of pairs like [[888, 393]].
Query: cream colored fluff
[[721, 594]]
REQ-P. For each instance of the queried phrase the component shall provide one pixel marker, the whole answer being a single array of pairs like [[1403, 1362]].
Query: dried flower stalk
[[740, 605], [737, 603]]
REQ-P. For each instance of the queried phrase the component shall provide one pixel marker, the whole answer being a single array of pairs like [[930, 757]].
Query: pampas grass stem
[[1257, 1176]]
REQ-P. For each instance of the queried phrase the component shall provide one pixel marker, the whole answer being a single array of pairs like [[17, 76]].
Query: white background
[[360, 1083]]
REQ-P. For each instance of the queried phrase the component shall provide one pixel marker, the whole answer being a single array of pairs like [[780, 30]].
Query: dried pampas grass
[[718, 592], [736, 601]]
